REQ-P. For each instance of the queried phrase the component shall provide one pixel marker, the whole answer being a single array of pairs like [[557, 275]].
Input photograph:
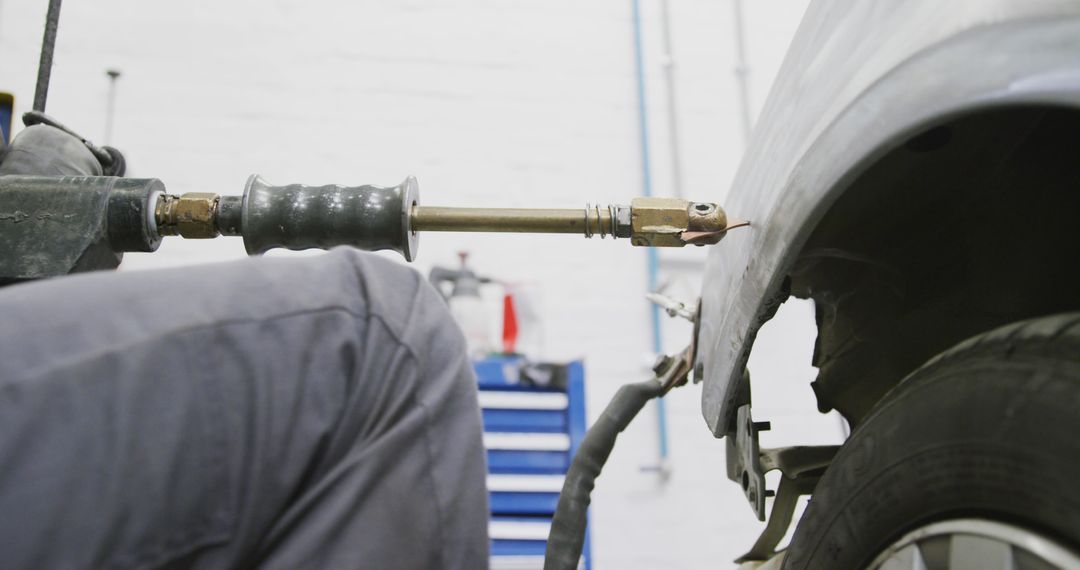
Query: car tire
[[988, 430]]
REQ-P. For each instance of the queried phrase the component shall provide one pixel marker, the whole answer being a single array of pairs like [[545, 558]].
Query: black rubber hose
[[567, 536]]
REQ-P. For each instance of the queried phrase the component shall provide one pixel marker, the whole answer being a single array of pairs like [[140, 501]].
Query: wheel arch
[[747, 281], [966, 225]]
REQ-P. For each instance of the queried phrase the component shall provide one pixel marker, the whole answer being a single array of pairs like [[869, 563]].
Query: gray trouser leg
[[280, 413]]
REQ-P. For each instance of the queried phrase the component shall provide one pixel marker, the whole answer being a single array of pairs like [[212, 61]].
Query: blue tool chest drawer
[[534, 419]]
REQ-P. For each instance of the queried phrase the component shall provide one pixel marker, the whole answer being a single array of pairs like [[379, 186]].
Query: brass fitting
[[192, 215], [661, 222]]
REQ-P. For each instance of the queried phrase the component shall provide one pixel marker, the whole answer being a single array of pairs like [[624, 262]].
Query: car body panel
[[860, 78]]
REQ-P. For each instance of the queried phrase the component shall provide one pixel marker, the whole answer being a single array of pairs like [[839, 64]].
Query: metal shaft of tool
[[297, 216], [48, 45], [588, 221]]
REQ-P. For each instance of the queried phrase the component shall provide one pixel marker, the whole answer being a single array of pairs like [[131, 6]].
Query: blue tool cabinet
[[533, 424]]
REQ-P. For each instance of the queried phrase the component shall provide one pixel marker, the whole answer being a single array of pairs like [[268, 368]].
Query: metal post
[[672, 102], [48, 44], [110, 105], [653, 260], [742, 71]]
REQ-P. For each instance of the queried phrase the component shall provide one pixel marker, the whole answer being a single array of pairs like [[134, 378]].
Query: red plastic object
[[510, 324]]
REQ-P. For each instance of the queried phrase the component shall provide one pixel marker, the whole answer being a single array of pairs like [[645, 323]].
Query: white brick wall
[[525, 103]]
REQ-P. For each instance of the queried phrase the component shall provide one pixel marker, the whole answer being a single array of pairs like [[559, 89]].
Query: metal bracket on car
[[801, 468], [743, 461], [674, 370], [674, 307], [797, 461], [783, 510], [747, 464]]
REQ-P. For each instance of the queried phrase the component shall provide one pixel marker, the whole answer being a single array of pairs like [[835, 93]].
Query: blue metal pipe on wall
[[653, 262]]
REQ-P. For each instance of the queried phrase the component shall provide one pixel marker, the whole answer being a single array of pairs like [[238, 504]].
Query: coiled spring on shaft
[[590, 211]]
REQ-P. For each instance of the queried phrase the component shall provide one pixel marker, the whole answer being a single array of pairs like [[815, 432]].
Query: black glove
[[42, 150], [48, 148]]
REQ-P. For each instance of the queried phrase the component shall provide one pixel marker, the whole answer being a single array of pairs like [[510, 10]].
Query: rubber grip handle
[[303, 217]]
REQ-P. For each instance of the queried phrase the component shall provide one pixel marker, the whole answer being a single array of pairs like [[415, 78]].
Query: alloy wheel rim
[[961, 544]]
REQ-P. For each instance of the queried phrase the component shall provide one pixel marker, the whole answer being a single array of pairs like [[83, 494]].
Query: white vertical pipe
[[672, 101], [742, 71]]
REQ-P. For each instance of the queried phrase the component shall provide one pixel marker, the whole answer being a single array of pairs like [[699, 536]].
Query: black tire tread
[[1047, 347]]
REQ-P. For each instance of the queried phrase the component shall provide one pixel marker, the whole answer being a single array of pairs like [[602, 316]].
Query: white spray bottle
[[466, 305]]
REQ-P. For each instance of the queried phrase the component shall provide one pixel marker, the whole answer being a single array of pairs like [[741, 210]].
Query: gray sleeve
[[281, 413]]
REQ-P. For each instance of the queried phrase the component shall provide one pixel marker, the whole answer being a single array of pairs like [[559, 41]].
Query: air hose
[[567, 536]]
